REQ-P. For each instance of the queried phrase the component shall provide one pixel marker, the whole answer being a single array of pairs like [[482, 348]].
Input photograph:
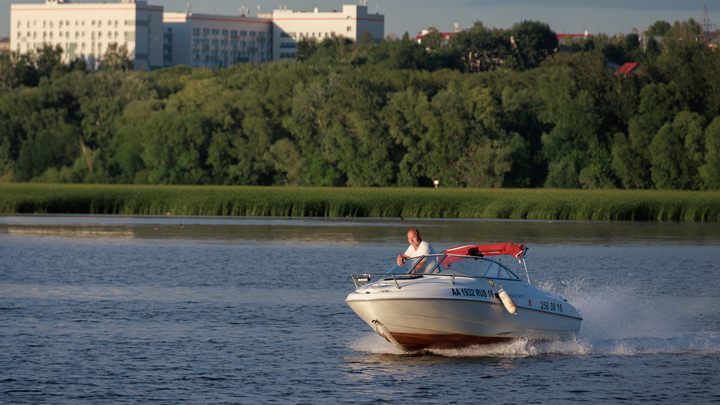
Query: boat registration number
[[473, 292], [551, 306]]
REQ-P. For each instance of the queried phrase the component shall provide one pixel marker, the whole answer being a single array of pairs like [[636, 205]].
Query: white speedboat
[[459, 298]]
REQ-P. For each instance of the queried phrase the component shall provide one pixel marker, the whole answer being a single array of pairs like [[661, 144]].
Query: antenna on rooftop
[[187, 10]]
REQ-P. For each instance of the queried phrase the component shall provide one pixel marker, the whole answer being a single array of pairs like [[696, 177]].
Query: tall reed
[[540, 204]]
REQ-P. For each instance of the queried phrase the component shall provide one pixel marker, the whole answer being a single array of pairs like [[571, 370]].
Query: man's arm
[[401, 260]]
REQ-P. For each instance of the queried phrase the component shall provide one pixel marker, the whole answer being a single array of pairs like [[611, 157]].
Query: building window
[[196, 31], [233, 34], [349, 28]]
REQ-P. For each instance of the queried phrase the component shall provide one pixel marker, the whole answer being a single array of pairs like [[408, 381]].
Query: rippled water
[[251, 310]]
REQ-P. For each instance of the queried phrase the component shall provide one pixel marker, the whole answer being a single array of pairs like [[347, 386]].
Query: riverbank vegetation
[[492, 109], [538, 204]]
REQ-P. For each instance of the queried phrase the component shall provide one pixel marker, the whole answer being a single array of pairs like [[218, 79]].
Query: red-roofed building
[[445, 36], [563, 45], [561, 37], [626, 68]]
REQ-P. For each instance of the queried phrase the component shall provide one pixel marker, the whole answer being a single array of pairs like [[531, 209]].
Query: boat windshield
[[474, 267], [416, 265]]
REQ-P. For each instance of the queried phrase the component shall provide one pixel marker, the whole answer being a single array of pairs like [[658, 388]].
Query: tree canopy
[[485, 108]]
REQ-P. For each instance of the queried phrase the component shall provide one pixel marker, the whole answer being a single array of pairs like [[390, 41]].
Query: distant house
[[563, 39], [445, 36], [4, 44], [626, 68]]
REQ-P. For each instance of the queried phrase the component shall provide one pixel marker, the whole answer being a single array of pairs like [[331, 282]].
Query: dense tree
[[402, 53], [481, 49], [533, 42], [433, 40], [677, 153], [658, 29], [492, 108], [710, 170], [116, 57], [575, 141], [659, 103], [48, 61]]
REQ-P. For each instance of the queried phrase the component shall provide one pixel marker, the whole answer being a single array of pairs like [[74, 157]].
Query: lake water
[[108, 309]]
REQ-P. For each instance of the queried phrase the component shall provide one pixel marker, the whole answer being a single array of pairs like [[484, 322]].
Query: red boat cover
[[494, 249]]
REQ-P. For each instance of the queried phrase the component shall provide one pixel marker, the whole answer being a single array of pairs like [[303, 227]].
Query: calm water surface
[[107, 309]]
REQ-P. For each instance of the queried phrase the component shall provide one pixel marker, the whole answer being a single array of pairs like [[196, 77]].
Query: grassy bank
[[366, 202]]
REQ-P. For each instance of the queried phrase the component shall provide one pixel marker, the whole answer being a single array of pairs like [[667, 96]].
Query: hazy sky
[[563, 16]]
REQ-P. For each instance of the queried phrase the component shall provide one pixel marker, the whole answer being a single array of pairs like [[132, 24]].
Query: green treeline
[[492, 108], [338, 202]]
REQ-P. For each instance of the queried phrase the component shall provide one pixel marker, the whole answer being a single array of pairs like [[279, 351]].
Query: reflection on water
[[354, 231], [55, 232]]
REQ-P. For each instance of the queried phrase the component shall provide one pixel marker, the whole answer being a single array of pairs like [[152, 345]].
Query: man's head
[[414, 238]]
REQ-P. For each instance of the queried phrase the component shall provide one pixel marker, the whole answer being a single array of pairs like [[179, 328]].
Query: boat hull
[[421, 314]]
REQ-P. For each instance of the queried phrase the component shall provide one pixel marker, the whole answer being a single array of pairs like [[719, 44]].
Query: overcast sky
[[563, 16]]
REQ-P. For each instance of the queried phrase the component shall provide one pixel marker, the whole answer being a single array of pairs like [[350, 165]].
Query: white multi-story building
[[291, 26], [156, 38], [85, 30], [205, 40]]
